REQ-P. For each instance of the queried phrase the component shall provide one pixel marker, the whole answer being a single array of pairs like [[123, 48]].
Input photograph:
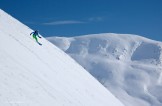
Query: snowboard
[[39, 44]]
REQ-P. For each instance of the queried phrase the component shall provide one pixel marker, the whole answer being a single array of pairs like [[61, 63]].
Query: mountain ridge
[[127, 65]]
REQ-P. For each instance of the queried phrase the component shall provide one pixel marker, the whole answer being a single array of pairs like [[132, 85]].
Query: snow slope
[[129, 66], [34, 75]]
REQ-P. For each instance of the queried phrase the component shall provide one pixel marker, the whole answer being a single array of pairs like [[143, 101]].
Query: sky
[[79, 17]]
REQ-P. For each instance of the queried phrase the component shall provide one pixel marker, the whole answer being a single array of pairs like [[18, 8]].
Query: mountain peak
[[124, 47]]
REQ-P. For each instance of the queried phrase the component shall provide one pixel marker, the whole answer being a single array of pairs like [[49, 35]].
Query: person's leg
[[35, 37]]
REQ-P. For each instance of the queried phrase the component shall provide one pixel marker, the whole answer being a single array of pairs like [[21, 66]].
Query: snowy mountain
[[34, 75], [129, 66]]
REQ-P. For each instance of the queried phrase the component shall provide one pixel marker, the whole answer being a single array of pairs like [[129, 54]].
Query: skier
[[35, 35]]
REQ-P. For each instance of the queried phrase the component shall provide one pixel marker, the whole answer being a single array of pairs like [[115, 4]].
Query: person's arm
[[39, 35], [31, 33]]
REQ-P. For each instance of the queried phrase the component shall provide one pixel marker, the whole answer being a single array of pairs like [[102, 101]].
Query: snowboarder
[[35, 35]]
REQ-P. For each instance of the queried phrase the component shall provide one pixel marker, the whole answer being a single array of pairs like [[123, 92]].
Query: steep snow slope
[[34, 75], [128, 65]]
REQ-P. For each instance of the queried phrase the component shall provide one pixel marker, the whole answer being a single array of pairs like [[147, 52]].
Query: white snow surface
[[127, 65], [34, 75]]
